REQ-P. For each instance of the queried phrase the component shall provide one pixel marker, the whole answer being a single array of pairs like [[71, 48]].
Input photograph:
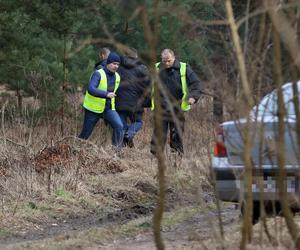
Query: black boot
[[125, 142], [130, 142]]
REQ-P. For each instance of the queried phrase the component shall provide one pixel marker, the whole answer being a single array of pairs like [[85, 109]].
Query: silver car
[[228, 164]]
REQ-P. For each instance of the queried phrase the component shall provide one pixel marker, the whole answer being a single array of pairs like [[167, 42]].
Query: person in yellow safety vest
[[99, 101], [180, 88]]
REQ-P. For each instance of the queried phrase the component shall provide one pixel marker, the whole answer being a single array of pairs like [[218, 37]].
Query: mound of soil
[[52, 156]]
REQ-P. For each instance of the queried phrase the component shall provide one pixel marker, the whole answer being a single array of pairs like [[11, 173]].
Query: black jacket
[[134, 89], [171, 81], [100, 64]]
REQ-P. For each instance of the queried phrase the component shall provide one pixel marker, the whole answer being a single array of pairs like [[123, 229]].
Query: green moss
[[63, 194]]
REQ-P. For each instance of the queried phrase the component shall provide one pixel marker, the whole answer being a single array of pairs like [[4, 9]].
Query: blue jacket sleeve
[[92, 87]]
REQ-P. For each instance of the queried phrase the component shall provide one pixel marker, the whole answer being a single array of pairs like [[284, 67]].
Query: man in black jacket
[[103, 55], [180, 88], [132, 94]]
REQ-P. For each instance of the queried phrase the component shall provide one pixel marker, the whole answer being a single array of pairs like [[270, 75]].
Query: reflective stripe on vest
[[97, 104], [184, 102]]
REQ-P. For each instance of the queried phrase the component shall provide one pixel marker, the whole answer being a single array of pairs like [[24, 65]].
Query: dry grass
[[45, 178], [48, 180]]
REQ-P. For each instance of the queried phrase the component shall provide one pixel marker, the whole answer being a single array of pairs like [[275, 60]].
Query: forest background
[[47, 53]]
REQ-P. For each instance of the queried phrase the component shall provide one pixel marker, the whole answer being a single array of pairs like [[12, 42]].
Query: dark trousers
[[111, 117], [176, 128], [134, 125]]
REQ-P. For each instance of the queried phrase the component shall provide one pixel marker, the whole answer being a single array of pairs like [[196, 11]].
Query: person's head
[[103, 53], [113, 61], [131, 52], [167, 58]]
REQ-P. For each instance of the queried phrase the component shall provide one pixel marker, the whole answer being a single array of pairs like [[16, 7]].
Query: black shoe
[[178, 151], [125, 142], [153, 152], [130, 143]]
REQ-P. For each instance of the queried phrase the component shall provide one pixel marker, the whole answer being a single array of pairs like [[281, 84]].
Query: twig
[[13, 142]]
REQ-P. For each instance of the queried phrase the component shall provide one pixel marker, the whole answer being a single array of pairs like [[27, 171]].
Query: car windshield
[[268, 105]]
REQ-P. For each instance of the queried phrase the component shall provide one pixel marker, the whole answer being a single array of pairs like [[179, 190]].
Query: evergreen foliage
[[39, 38]]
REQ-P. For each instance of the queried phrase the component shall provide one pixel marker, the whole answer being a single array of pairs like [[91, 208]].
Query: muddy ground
[[188, 232]]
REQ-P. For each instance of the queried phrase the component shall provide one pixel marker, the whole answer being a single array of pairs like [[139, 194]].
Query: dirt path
[[74, 225], [189, 234], [191, 231]]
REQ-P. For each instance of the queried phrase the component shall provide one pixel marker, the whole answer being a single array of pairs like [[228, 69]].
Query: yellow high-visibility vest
[[97, 104], [184, 102]]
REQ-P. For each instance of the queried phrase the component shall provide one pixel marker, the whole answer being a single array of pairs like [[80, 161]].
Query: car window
[[268, 105]]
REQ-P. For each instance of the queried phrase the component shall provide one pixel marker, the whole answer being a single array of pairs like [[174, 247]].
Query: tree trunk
[[282, 188], [247, 223], [151, 34], [62, 109]]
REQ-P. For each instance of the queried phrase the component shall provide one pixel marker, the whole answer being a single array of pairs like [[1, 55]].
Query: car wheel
[[255, 211]]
